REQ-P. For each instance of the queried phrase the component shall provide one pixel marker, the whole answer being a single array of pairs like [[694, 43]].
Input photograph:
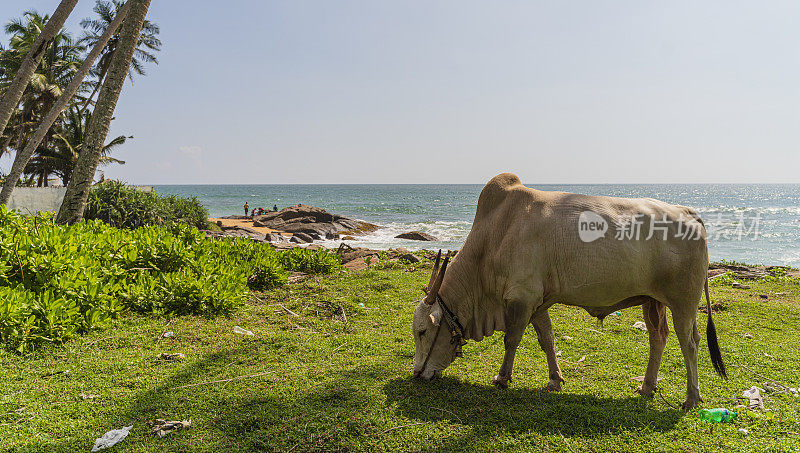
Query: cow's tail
[[713, 343]]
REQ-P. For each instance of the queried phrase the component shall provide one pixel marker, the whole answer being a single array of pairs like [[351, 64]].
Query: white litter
[[743, 431], [640, 325], [754, 395], [111, 438], [237, 329], [168, 334], [566, 338]]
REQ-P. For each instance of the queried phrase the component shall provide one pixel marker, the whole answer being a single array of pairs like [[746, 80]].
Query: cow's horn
[[435, 271], [434, 290]]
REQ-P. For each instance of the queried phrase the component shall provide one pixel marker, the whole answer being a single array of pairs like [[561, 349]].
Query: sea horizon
[[481, 183]]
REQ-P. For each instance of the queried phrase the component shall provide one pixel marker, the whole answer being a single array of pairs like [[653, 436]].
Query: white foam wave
[[726, 209], [450, 235]]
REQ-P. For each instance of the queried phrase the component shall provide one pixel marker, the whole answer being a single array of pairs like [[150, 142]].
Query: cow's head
[[434, 350]]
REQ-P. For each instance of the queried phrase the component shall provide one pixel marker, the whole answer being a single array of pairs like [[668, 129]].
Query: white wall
[[29, 200]]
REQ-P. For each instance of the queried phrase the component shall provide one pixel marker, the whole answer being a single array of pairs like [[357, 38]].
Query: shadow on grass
[[271, 413], [161, 401], [518, 410], [344, 410]]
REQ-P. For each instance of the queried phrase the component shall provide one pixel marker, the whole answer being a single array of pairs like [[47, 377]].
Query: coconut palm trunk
[[74, 202], [21, 80], [22, 158]]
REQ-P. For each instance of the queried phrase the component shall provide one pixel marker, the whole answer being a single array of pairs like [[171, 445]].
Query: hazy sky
[[458, 91]]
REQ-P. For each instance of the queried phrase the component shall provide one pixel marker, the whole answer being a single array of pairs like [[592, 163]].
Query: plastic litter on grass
[[111, 438]]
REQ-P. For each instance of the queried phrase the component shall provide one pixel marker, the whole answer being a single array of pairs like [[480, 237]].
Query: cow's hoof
[[646, 391], [691, 403], [501, 381], [554, 385]]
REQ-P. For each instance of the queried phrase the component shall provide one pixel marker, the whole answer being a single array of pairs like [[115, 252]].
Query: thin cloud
[[193, 151]]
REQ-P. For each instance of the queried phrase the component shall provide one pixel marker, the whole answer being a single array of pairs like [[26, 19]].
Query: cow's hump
[[495, 192]]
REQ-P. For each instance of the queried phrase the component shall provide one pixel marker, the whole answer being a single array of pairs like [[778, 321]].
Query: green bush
[[58, 281], [267, 277], [125, 206], [309, 261]]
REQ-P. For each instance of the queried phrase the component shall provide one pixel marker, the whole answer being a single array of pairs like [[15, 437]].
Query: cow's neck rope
[[456, 331]]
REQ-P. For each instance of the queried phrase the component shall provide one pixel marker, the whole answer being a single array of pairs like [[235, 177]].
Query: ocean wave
[[726, 209], [450, 235]]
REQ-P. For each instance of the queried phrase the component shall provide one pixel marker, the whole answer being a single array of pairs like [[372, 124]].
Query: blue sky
[[458, 91]]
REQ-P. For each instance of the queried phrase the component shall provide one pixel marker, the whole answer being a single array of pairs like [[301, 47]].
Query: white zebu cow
[[529, 249]]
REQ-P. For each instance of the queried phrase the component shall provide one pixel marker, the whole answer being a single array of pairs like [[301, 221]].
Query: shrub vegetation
[[58, 281], [125, 206]]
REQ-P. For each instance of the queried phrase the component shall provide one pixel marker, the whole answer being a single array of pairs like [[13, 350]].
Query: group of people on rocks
[[257, 211]]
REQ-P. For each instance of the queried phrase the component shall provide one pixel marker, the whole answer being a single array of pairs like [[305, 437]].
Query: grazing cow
[[529, 249]]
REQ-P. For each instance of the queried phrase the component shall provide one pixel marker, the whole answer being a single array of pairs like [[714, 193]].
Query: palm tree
[[59, 160], [74, 203], [22, 75], [93, 30], [58, 64]]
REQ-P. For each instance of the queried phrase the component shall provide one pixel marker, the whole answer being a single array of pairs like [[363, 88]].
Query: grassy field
[[332, 361]]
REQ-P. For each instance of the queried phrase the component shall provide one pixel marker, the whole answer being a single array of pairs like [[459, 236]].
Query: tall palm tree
[[146, 47], [58, 64], [22, 76], [74, 203], [60, 159]]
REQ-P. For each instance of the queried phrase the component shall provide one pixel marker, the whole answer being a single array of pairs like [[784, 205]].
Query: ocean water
[[753, 223]]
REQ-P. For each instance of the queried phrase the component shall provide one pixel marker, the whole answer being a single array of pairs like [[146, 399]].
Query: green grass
[[336, 385]]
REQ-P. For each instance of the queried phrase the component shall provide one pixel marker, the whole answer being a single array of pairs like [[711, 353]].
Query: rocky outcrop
[[416, 236], [312, 221]]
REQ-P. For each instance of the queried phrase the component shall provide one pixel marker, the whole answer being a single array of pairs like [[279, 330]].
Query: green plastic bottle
[[718, 415]]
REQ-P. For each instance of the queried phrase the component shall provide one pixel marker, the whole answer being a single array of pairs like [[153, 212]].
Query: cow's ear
[[436, 314]]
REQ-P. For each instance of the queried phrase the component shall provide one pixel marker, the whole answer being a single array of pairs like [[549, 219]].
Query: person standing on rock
[[275, 208], [246, 208]]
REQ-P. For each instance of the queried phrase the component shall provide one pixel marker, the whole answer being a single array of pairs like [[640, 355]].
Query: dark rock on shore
[[237, 232], [410, 257], [347, 253], [416, 236], [302, 238], [274, 237], [312, 221]]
